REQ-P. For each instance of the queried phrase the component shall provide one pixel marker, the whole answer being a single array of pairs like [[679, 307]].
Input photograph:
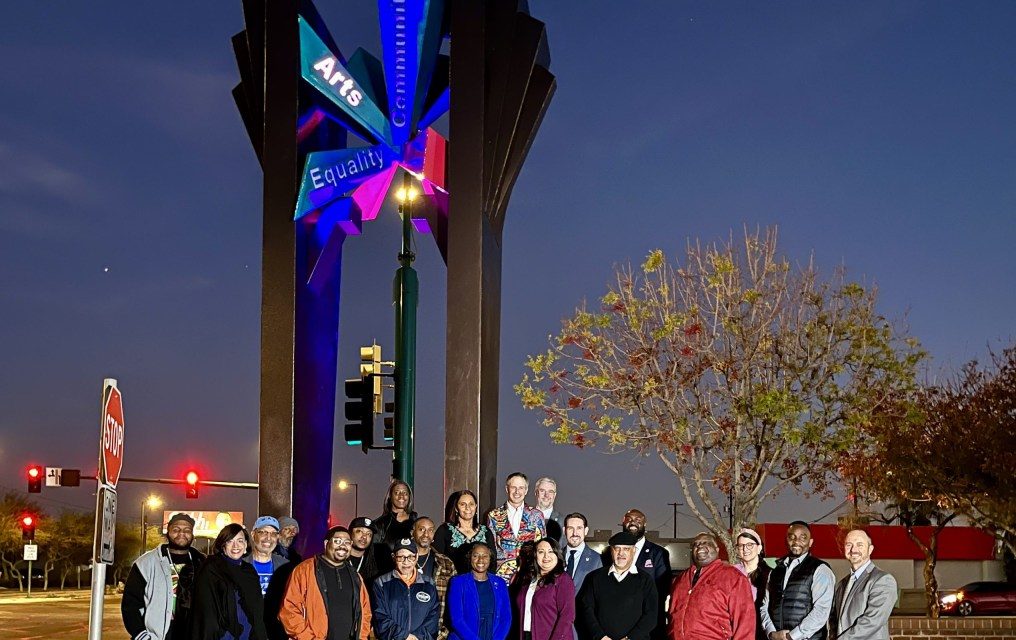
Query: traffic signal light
[[360, 410], [390, 422], [35, 479], [192, 481], [28, 527], [370, 366]]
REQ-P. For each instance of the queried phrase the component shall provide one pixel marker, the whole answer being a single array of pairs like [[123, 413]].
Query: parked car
[[981, 598]]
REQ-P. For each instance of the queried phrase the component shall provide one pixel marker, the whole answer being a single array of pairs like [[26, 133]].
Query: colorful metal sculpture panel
[[384, 105]]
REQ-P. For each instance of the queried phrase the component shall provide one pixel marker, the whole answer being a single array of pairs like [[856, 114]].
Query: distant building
[[965, 554]]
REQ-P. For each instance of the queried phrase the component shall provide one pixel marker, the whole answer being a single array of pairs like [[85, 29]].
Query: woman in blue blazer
[[478, 603]]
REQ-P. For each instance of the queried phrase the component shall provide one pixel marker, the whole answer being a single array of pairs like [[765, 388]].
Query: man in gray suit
[[546, 493], [864, 599]]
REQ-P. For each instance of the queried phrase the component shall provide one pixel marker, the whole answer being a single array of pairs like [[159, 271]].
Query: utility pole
[[730, 507], [675, 505], [406, 289]]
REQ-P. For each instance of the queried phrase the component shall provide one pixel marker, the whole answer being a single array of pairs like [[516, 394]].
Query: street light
[[151, 502], [343, 485], [407, 290]]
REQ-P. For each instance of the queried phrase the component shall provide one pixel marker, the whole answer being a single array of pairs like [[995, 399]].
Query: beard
[[178, 548]]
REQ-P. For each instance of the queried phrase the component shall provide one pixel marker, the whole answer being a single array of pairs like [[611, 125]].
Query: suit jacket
[[507, 543], [584, 564], [865, 614], [555, 525]]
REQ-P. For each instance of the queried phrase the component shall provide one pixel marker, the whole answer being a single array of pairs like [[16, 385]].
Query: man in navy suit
[[579, 559], [650, 558]]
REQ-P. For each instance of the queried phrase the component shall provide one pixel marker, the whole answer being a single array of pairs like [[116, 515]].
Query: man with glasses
[[272, 569], [406, 605], [265, 537], [711, 600], [326, 598]]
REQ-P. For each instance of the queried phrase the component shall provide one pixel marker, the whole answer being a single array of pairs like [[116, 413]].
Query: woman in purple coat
[[545, 597]]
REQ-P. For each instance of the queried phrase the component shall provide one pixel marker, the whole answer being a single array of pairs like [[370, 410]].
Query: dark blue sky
[[876, 135]]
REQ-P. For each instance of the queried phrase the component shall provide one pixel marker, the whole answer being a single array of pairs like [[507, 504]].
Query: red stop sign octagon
[[111, 441]]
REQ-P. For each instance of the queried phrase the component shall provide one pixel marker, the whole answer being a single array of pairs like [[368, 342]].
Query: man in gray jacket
[[157, 596], [864, 599]]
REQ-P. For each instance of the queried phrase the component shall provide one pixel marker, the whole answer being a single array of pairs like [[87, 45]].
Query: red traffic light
[[28, 527], [34, 473], [192, 484]]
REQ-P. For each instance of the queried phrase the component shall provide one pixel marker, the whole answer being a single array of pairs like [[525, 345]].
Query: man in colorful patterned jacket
[[513, 524]]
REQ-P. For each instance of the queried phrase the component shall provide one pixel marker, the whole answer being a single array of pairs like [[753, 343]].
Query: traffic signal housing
[[28, 527], [360, 412], [35, 475], [193, 481]]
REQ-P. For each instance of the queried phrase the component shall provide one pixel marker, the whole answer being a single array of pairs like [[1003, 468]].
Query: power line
[[73, 506]]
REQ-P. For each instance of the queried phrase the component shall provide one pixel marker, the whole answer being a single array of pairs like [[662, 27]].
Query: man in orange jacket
[[325, 598], [711, 600]]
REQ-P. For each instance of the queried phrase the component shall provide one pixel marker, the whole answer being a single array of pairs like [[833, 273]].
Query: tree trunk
[[46, 568], [930, 552]]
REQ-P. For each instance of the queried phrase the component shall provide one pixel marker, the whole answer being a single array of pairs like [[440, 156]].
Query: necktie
[[570, 567], [694, 578]]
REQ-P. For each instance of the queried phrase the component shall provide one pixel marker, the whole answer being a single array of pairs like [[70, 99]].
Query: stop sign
[[111, 440]]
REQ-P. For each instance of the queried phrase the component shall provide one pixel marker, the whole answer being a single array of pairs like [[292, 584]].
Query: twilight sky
[[875, 135]]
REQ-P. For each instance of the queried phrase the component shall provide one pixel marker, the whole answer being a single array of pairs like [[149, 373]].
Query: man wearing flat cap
[[650, 558], [617, 601], [160, 587]]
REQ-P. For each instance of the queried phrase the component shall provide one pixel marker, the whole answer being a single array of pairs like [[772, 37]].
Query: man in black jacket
[[651, 559], [617, 600]]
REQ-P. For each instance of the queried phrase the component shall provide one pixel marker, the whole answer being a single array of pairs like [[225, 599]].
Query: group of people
[[523, 572]]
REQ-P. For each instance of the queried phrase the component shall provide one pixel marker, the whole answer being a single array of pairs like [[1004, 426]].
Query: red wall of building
[[891, 542]]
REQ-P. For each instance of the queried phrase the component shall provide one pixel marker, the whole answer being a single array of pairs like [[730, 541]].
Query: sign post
[[31, 553], [111, 432]]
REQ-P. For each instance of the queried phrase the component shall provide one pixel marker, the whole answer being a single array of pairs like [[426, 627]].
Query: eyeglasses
[[747, 546], [341, 542], [265, 533], [405, 558]]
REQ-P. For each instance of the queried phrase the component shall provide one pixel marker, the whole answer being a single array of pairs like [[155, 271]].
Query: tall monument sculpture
[[299, 98]]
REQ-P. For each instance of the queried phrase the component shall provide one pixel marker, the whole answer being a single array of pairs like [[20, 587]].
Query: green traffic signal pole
[[406, 288]]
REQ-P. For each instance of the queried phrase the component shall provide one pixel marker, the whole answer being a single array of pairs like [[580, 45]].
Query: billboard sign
[[207, 524]]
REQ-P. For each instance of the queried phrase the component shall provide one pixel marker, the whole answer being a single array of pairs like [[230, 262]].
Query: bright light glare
[[192, 477], [153, 502], [33, 472], [343, 485]]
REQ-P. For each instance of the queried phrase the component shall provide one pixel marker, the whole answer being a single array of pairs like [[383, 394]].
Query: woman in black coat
[[227, 593], [397, 515]]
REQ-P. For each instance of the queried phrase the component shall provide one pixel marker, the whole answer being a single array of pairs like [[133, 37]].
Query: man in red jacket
[[711, 600]]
